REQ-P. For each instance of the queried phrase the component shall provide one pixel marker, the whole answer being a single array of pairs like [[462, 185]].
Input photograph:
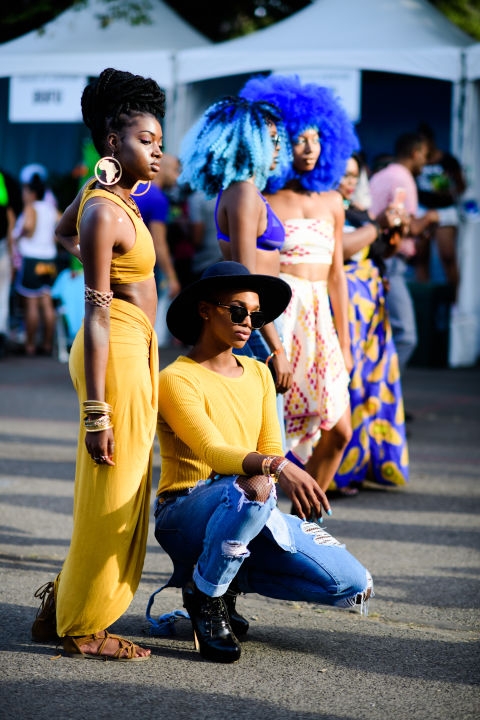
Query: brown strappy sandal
[[71, 645]]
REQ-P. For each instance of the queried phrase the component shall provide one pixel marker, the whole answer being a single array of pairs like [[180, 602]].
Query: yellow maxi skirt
[[111, 504]]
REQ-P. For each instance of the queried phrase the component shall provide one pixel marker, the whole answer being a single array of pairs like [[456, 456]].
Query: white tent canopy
[[399, 36], [473, 62], [76, 44]]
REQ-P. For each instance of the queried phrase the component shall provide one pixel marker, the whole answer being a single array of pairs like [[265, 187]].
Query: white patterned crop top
[[308, 240]]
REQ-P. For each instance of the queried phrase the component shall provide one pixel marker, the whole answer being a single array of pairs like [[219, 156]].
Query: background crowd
[[387, 219], [182, 222]]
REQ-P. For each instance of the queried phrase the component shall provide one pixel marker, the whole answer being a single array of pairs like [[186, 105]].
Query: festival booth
[[48, 69], [394, 64], [465, 326], [333, 42]]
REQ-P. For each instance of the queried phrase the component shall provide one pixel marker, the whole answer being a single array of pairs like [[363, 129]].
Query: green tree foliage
[[464, 13], [226, 20], [21, 16], [216, 19]]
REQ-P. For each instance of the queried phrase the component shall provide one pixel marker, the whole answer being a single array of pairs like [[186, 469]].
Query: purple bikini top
[[272, 238]]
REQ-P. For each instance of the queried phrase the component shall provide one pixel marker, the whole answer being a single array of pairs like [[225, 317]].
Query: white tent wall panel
[[473, 62]]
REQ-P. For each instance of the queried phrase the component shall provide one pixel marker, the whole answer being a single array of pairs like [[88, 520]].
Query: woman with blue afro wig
[[231, 152], [317, 341], [307, 106]]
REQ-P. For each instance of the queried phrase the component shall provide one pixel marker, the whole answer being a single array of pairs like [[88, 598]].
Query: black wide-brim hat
[[183, 319]]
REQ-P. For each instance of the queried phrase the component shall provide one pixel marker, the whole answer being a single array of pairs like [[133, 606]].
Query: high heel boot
[[238, 623], [211, 628]]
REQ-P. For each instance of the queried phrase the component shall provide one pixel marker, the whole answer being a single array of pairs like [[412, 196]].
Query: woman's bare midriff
[[141, 294], [267, 262], [307, 271]]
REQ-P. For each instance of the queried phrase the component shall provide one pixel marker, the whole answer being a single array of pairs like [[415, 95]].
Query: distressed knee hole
[[257, 488], [319, 535], [234, 548], [360, 601]]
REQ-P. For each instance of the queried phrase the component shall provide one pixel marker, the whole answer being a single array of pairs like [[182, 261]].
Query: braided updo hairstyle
[[117, 93]]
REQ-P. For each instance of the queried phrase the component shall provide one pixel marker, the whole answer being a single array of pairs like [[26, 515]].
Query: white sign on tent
[[46, 99]]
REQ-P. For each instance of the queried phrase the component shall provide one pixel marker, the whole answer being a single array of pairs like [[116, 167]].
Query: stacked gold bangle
[[273, 466], [102, 422], [266, 462], [102, 412]]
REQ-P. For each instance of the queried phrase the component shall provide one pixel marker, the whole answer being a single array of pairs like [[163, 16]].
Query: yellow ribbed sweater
[[207, 421]]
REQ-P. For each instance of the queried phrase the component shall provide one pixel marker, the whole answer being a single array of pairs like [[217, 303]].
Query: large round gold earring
[[108, 170], [139, 194]]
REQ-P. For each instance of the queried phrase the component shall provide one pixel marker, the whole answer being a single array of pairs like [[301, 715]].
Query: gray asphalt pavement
[[415, 656]]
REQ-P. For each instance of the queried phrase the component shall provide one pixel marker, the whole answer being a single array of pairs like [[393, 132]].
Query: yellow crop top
[[308, 240], [137, 264], [207, 421]]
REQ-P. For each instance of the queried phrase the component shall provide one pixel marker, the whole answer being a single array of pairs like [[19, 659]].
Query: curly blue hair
[[306, 106], [230, 143]]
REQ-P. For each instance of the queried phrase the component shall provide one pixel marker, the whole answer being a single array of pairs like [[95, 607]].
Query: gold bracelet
[[96, 427], [92, 407], [266, 462], [271, 463], [277, 460], [97, 403], [99, 429], [103, 422]]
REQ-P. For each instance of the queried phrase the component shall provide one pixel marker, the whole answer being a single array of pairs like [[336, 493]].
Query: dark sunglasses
[[276, 141], [238, 314]]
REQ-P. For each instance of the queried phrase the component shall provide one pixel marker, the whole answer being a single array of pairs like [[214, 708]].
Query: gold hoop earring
[[139, 194], [108, 170]]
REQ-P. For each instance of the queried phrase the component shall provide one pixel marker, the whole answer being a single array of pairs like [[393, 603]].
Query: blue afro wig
[[305, 106], [231, 142]]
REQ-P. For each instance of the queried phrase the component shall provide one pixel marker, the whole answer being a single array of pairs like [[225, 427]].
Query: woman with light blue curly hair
[[322, 138], [231, 152], [232, 142]]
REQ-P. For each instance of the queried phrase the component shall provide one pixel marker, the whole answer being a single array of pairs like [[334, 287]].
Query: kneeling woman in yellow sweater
[[216, 511]]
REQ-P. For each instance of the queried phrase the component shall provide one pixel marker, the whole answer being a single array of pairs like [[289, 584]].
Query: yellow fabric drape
[[111, 504]]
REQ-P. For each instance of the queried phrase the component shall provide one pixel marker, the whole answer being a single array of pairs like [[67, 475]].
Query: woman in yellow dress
[[114, 368]]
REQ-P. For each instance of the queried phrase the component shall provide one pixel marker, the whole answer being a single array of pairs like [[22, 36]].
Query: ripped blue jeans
[[216, 534]]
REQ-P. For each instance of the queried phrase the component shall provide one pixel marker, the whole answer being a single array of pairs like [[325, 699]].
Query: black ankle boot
[[211, 629], [238, 623]]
